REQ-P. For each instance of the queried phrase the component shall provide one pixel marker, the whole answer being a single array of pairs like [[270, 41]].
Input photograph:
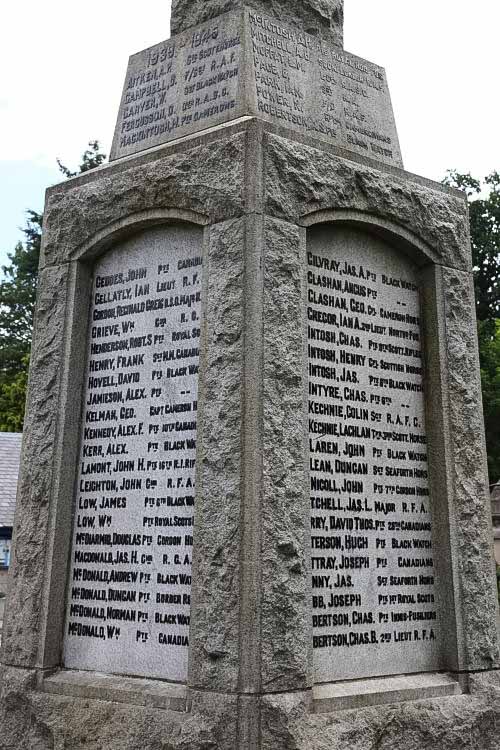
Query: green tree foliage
[[17, 306], [489, 352], [17, 297], [13, 397], [91, 158], [484, 208]]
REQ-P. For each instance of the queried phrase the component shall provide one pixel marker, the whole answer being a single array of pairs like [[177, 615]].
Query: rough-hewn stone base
[[456, 723], [33, 720]]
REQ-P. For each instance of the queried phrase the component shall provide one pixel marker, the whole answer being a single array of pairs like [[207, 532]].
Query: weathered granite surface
[[204, 177], [35, 721], [323, 18], [215, 633], [32, 720], [456, 723], [22, 626], [301, 179], [285, 597], [472, 502]]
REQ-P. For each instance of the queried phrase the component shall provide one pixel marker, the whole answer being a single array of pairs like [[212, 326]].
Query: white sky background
[[63, 64]]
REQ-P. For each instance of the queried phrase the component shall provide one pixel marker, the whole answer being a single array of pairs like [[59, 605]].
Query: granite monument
[[253, 509]]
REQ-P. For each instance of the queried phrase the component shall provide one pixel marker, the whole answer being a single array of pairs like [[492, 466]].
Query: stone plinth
[[257, 199]]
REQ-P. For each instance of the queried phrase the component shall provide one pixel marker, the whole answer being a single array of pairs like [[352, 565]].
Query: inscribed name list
[[130, 577], [375, 595], [188, 83], [320, 90], [244, 63]]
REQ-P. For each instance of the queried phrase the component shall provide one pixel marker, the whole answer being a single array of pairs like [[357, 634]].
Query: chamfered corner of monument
[[285, 645], [215, 651]]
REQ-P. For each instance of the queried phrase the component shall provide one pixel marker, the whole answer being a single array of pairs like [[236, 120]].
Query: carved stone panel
[[375, 586], [129, 584]]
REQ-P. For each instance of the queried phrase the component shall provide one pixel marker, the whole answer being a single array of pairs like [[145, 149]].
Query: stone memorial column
[[252, 509]]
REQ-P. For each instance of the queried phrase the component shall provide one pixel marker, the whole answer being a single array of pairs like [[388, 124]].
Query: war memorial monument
[[253, 509]]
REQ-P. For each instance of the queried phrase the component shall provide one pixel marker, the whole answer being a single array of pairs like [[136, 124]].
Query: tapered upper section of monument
[[324, 18]]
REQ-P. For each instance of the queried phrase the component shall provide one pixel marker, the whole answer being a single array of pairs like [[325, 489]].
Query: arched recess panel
[[376, 604], [128, 600]]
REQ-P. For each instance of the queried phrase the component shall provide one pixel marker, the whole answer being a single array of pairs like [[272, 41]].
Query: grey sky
[[63, 67]]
